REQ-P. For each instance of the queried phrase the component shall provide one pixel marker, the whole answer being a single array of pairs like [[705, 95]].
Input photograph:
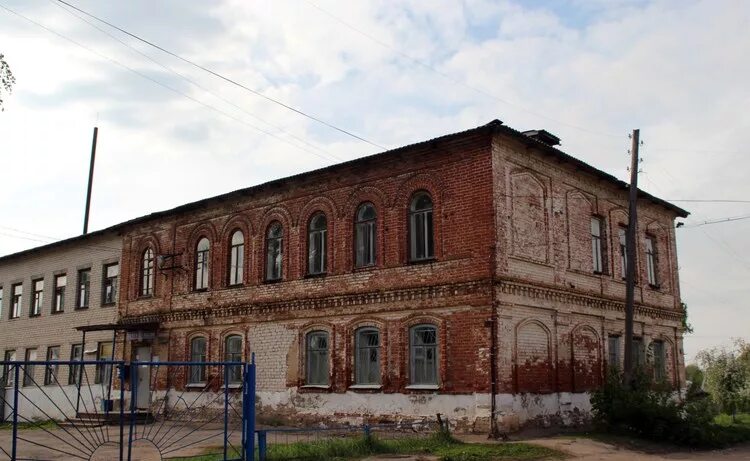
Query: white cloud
[[674, 69]]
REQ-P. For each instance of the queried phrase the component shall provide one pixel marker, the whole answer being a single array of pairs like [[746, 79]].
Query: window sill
[[366, 387], [316, 275], [415, 262], [423, 387], [81, 308], [57, 312], [31, 316], [654, 286], [200, 290], [371, 267], [141, 297], [235, 285], [323, 387], [232, 386], [196, 385], [272, 281], [108, 304]]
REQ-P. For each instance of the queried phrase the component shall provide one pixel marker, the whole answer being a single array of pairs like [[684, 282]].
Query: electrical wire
[[226, 79], [715, 221], [114, 61], [191, 81]]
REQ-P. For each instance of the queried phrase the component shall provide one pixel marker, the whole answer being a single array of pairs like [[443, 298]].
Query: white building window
[[197, 355], [364, 236], [274, 251], [651, 261], [147, 273], [317, 358], [622, 234], [233, 353], [58, 304], [202, 250], [37, 297], [316, 244], [236, 258], [16, 300], [423, 355], [421, 238], [613, 351], [597, 247], [367, 356]]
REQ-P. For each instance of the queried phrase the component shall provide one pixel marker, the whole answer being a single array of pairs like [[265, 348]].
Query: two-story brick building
[[476, 272]]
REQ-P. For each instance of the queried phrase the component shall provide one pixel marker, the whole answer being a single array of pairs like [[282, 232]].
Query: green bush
[[652, 411]]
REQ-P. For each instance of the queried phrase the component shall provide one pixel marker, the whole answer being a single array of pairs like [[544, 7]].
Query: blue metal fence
[[77, 418]]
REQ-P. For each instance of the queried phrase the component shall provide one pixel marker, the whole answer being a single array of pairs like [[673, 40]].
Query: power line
[[114, 61], [453, 79], [226, 79], [192, 82], [716, 221]]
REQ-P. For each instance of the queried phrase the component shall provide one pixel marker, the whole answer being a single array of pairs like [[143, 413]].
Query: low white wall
[[54, 402]]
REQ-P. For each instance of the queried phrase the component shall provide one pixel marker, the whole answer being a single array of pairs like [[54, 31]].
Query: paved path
[[586, 449]]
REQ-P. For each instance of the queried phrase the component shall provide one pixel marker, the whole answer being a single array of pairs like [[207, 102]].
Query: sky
[[392, 73]]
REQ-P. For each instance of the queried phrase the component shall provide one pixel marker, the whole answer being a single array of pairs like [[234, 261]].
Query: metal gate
[[104, 410]]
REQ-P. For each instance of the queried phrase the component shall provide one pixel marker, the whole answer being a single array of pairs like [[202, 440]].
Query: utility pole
[[630, 253], [91, 183]]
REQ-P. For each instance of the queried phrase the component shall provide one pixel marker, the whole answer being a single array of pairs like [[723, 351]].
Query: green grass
[[27, 425], [741, 419], [444, 447]]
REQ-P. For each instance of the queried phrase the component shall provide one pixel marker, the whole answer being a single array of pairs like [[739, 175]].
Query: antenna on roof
[[91, 183]]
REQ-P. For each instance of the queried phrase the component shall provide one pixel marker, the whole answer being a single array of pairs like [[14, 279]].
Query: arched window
[[201, 264], [421, 239], [423, 355], [236, 258], [367, 356], [364, 236], [147, 272], [197, 355], [233, 353], [274, 240], [317, 358], [316, 244]]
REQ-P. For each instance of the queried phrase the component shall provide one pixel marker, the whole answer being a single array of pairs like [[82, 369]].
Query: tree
[[727, 376], [7, 79], [686, 326]]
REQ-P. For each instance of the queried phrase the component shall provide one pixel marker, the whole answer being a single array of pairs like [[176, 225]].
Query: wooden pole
[[630, 252]]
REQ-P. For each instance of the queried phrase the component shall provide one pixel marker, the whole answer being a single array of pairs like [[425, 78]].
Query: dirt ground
[[586, 449]]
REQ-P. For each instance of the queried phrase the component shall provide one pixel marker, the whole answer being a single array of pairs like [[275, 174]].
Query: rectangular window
[[317, 358], [28, 369], [613, 351], [651, 261], [103, 372], [367, 358], [37, 297], [58, 304], [639, 358], [50, 374], [597, 251], [16, 300], [659, 361], [74, 371], [424, 364], [84, 289], [109, 283], [9, 371], [623, 236]]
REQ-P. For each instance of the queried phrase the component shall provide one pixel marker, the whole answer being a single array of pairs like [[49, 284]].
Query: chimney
[[543, 136]]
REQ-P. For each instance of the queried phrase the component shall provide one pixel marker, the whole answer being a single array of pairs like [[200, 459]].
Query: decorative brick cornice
[[481, 287], [595, 302]]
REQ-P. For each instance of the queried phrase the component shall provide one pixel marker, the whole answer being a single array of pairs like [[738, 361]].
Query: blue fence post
[[226, 409], [248, 410], [262, 447], [121, 374], [15, 411], [133, 396]]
